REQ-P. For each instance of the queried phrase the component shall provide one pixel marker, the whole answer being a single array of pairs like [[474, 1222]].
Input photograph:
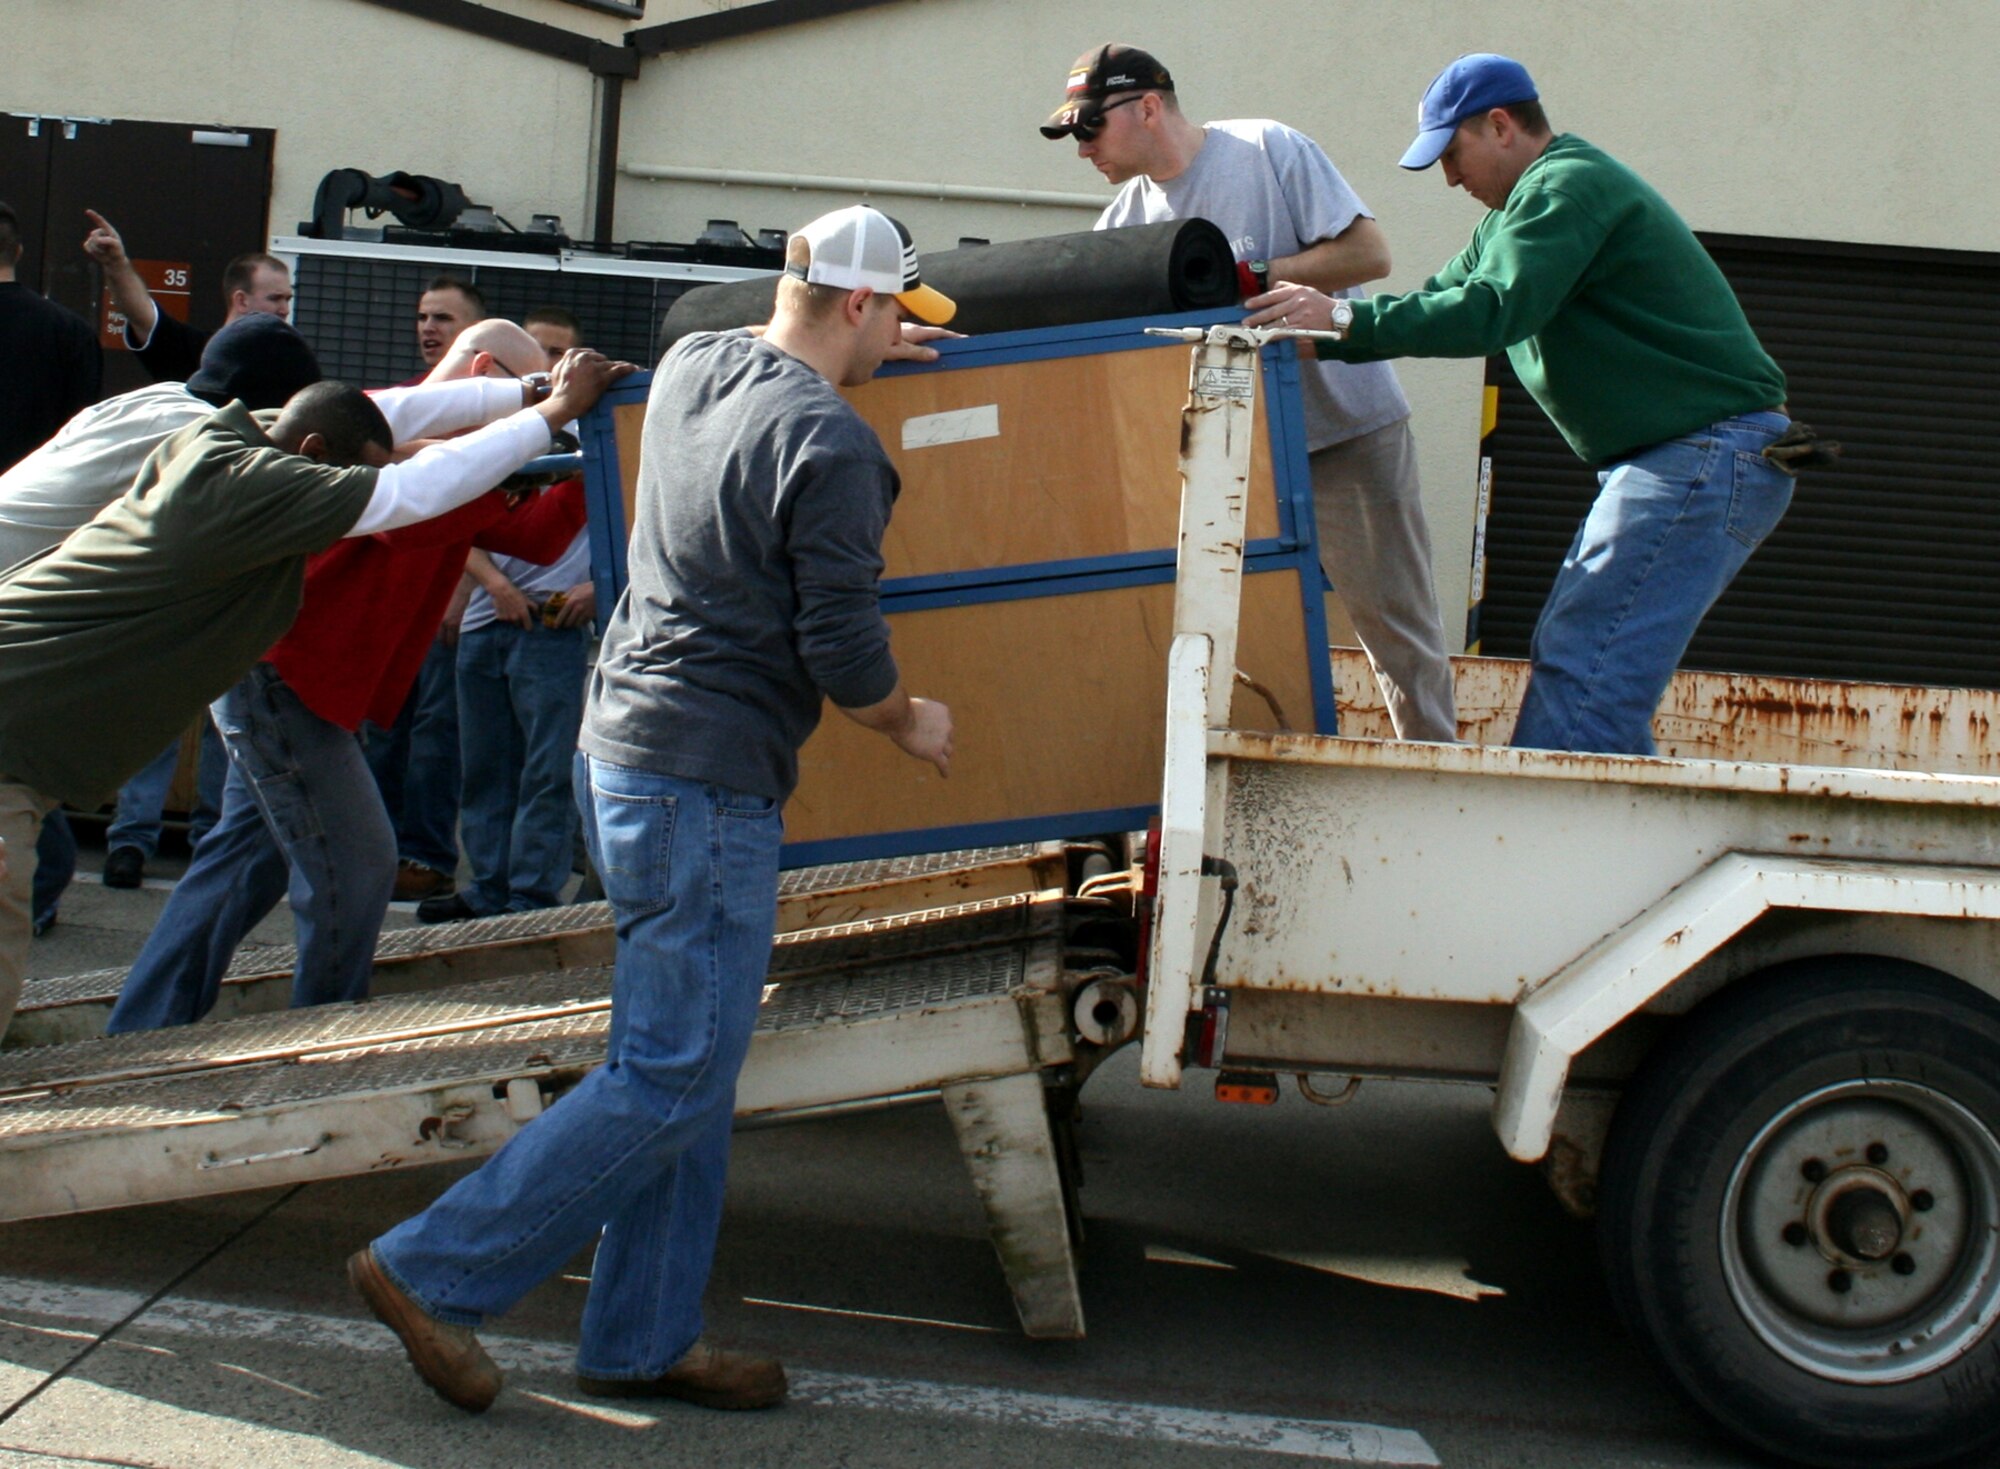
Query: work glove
[[1798, 447]]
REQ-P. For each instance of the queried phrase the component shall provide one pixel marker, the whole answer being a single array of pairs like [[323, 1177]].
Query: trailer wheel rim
[[1857, 1231]]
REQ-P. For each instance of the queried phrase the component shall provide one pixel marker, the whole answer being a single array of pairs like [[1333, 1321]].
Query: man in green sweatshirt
[[1627, 334]]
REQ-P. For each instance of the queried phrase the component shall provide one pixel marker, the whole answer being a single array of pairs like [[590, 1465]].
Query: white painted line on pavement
[[872, 1315], [1309, 1438]]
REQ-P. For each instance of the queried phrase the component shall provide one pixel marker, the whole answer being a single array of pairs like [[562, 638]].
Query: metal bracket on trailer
[[1615, 979]]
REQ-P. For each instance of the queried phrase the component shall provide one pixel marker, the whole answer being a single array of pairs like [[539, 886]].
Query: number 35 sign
[[171, 285]]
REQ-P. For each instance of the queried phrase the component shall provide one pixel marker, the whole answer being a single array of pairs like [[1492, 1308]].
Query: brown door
[[187, 198]]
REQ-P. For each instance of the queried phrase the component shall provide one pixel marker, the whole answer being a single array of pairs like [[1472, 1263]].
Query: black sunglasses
[[1089, 124]]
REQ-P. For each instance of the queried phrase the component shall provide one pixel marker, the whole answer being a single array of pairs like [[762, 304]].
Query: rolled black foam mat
[[1099, 275]]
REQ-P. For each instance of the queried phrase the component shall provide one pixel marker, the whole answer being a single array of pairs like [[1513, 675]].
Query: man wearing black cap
[[1630, 338], [1290, 215]]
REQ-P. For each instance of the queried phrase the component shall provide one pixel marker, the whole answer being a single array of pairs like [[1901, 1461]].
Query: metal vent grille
[[360, 313], [1883, 569]]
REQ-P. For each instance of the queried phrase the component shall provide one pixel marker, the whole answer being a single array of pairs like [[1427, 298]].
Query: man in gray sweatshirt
[[754, 562]]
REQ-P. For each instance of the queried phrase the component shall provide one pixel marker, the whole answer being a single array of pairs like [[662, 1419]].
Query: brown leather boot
[[447, 1357], [714, 1377]]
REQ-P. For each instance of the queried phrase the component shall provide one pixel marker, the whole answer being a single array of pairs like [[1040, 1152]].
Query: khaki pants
[[21, 812], [1375, 547]]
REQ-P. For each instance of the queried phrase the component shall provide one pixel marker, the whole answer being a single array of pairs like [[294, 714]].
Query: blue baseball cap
[[1469, 86]]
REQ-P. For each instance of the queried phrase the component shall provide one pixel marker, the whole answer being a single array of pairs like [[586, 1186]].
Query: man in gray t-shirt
[[1289, 215], [756, 547]]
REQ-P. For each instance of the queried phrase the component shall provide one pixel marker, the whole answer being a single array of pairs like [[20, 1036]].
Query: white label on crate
[[931, 429]]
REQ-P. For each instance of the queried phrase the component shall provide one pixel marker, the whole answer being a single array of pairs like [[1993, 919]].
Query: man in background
[[415, 756], [169, 349], [447, 307], [523, 651], [556, 329], [50, 364]]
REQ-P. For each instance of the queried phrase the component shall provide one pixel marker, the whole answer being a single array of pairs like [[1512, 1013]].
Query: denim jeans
[[140, 799], [1669, 530], [300, 815], [55, 865], [520, 700], [640, 1148], [416, 763]]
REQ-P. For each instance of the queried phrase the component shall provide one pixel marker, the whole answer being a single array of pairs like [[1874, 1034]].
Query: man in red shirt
[[301, 813]]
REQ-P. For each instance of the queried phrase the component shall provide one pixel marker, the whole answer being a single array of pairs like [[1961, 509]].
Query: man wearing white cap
[[754, 561], [1631, 339]]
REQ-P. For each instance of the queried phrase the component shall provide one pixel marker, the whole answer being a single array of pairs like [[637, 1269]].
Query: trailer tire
[[1800, 1212]]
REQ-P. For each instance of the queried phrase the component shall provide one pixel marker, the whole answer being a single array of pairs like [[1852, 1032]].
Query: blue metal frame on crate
[[603, 480], [1068, 826]]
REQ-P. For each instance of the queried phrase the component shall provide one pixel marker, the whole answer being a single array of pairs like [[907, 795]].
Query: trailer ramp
[[969, 1002], [74, 1007]]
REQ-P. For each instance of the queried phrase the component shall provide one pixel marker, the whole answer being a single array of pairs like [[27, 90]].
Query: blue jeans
[[1669, 530], [55, 865], [520, 700], [299, 814], [140, 799], [416, 763], [640, 1148]]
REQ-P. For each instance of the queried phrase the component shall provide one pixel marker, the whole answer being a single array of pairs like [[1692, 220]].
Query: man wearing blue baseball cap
[[1627, 334]]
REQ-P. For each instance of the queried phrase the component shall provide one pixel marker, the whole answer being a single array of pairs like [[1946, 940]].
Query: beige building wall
[[346, 85]]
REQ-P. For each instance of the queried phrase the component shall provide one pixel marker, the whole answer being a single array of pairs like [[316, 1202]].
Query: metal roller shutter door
[[1886, 568]]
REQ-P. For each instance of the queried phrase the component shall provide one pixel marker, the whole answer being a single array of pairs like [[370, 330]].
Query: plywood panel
[[1085, 464], [629, 422], [1059, 704]]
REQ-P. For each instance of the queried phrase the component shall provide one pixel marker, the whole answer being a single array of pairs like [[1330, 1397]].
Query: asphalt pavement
[[1374, 1283]]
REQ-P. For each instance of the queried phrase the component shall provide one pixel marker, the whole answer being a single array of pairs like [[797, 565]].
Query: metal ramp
[[969, 1002], [74, 1007]]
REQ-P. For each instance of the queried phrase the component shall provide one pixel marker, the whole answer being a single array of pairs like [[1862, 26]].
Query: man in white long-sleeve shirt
[[117, 638]]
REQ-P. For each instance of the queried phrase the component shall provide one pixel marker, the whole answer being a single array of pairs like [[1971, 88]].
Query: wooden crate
[[1028, 584]]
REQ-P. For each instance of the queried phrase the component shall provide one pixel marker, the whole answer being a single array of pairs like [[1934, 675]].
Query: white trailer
[[1744, 1009], [1740, 1005]]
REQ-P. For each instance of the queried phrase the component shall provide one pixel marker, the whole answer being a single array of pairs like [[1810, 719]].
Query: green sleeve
[[1526, 268], [1459, 271]]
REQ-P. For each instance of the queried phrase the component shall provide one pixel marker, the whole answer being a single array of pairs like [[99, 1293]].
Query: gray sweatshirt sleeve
[[834, 538]]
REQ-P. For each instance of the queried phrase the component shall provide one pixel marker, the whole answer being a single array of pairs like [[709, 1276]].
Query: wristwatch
[[540, 385]]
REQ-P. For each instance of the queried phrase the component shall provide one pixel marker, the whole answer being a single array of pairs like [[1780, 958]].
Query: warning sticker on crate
[[1235, 383], [928, 430]]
